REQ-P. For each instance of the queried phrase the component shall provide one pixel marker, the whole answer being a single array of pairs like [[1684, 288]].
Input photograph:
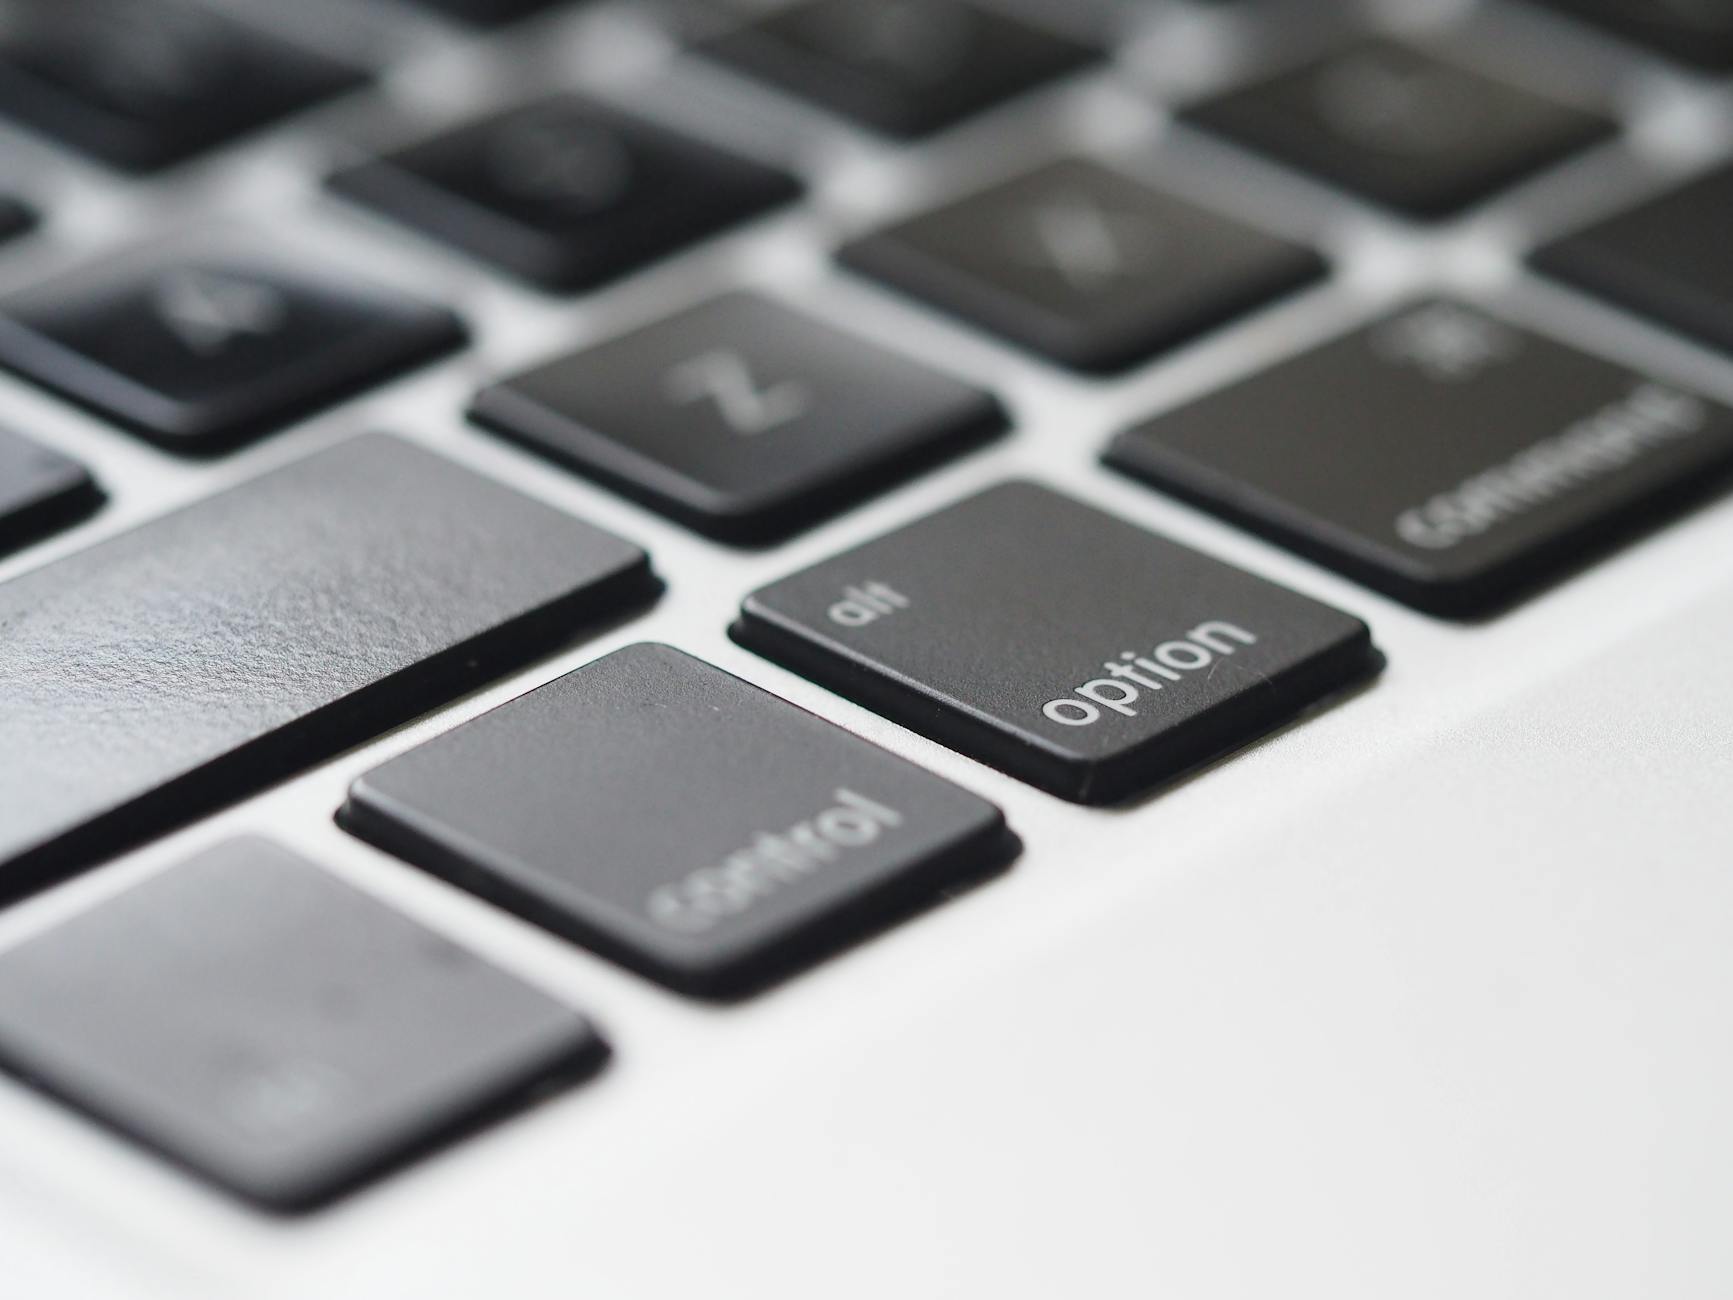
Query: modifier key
[[1442, 455], [1057, 643], [726, 836]]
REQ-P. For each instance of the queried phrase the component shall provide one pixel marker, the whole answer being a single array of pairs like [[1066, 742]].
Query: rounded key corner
[[297, 1194]]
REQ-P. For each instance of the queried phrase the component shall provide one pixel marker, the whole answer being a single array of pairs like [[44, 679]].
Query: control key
[[680, 821]]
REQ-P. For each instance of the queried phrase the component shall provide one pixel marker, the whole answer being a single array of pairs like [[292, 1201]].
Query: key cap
[[1402, 127], [171, 669], [903, 67], [566, 193], [1057, 643], [741, 418], [1442, 456], [1668, 258], [274, 1030], [1697, 32], [40, 491], [142, 84], [1084, 266], [15, 219], [198, 347], [489, 13], [707, 873]]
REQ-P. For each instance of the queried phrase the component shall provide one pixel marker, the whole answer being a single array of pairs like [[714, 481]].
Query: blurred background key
[[200, 344], [141, 84], [565, 193], [1695, 32], [1668, 258], [903, 67], [488, 13], [40, 490], [1401, 127]]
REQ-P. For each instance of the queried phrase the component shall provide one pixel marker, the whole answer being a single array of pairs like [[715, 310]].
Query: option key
[[1057, 643]]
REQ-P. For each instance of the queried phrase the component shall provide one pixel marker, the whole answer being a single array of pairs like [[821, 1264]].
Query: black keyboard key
[[40, 491], [1057, 643], [706, 872], [1402, 127], [170, 669], [1697, 32], [566, 193], [490, 13], [141, 84], [904, 67], [274, 1030], [1442, 456], [1085, 266], [15, 219], [741, 418], [1669, 258], [198, 348]]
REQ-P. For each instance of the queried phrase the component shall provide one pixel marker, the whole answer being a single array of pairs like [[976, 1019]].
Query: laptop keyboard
[[647, 805]]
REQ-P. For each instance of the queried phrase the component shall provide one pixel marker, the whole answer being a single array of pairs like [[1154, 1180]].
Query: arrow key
[[199, 349]]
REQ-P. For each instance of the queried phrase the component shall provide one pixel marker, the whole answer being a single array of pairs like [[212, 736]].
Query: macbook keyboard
[[573, 456]]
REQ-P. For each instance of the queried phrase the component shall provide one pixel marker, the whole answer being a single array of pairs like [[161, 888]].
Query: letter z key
[[1057, 643], [741, 418]]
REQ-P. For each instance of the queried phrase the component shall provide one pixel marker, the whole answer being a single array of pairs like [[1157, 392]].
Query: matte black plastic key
[[1402, 127], [490, 13], [741, 418], [566, 192], [141, 84], [274, 1030], [726, 836], [1084, 265], [1695, 32], [40, 491], [1448, 458], [904, 67], [198, 347], [170, 669], [16, 218], [1064, 646], [1668, 258]]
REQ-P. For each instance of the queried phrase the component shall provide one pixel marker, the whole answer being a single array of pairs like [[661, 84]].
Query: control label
[[770, 864]]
